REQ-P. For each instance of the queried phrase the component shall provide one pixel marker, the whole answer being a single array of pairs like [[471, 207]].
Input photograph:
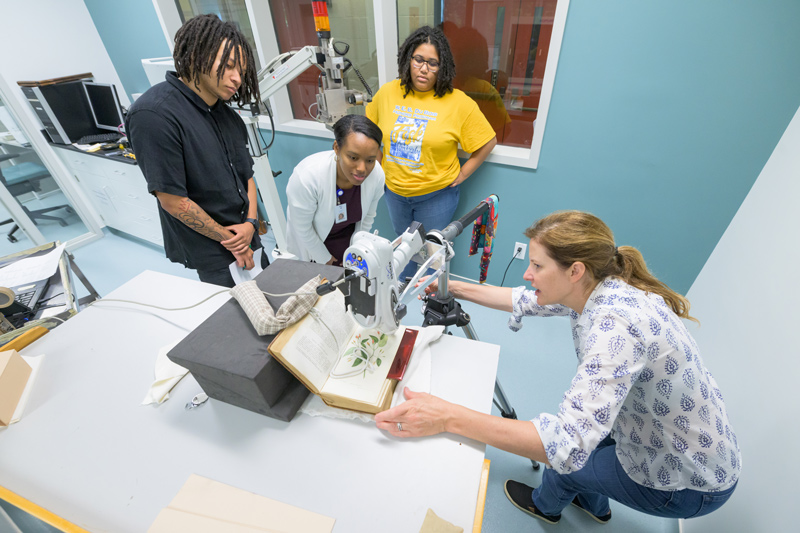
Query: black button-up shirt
[[187, 148]]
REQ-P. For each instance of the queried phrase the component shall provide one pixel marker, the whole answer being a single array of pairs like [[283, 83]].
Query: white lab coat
[[311, 195]]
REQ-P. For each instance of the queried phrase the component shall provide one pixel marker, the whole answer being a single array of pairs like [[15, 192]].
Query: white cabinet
[[119, 193]]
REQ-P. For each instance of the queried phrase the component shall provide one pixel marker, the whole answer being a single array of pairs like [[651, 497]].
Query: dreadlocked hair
[[447, 65], [196, 45], [576, 236]]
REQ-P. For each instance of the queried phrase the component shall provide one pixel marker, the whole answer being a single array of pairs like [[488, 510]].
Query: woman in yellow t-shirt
[[423, 120]]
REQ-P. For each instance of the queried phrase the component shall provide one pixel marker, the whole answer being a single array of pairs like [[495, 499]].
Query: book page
[[361, 372], [314, 347]]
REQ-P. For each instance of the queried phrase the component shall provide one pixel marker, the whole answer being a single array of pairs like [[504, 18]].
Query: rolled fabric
[[260, 312]]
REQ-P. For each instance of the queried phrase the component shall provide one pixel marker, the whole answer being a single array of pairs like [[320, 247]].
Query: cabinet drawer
[[136, 197], [144, 232], [143, 217], [139, 222], [145, 227], [101, 195], [124, 173], [84, 163]]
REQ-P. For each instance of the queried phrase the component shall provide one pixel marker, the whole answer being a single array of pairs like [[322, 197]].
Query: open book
[[343, 363]]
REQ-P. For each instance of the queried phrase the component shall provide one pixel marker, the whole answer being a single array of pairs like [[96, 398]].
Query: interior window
[[234, 11], [351, 22], [500, 48]]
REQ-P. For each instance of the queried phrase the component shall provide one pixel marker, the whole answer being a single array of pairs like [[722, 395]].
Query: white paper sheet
[[31, 269], [241, 275]]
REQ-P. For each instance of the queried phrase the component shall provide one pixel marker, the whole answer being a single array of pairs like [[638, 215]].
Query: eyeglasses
[[418, 61]]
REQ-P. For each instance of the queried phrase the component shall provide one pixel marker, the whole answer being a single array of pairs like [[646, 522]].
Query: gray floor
[[536, 366]]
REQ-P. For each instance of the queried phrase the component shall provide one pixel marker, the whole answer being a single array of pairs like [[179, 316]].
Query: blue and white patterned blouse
[[640, 377]]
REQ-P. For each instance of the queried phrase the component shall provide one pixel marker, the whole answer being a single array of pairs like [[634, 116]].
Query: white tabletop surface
[[87, 450]]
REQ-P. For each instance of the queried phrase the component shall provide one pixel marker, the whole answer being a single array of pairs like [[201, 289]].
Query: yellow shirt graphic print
[[421, 135], [405, 141]]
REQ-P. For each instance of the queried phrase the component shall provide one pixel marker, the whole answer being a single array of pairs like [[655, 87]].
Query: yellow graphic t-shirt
[[421, 134]]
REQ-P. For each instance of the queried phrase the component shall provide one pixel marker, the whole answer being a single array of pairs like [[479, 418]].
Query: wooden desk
[[87, 451]]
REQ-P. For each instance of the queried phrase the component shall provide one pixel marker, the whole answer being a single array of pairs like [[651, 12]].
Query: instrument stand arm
[[446, 311]]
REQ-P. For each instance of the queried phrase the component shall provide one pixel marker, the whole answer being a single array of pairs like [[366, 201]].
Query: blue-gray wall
[[131, 32], [662, 116]]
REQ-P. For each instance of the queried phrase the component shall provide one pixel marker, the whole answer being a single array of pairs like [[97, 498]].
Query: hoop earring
[[336, 158]]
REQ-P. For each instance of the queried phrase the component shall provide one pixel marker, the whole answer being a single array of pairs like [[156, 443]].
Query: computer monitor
[[104, 102]]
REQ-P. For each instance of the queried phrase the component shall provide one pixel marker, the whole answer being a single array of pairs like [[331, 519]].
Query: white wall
[[45, 39], [746, 298]]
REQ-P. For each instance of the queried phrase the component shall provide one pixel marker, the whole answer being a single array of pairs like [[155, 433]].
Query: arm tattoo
[[196, 218]]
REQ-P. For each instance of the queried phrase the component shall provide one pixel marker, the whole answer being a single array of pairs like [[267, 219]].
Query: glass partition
[[351, 22], [31, 187], [500, 48], [234, 11]]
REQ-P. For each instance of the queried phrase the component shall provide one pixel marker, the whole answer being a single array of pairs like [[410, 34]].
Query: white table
[[86, 450]]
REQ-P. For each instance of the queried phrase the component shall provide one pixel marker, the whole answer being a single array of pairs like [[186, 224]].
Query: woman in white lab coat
[[334, 194]]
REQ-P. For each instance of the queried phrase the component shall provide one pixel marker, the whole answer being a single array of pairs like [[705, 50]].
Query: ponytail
[[575, 236], [632, 269]]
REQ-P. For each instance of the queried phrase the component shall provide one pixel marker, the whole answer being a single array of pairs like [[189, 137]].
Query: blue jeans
[[434, 210], [603, 477]]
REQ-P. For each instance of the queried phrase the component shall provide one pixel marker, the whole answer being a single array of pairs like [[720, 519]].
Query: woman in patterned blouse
[[643, 421]]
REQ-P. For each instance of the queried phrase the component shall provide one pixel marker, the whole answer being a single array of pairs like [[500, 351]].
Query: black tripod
[[442, 309]]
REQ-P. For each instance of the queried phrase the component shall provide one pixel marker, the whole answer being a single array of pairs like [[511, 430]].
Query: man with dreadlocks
[[192, 149]]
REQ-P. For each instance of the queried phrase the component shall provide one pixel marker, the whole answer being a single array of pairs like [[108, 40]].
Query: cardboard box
[[14, 374], [207, 506]]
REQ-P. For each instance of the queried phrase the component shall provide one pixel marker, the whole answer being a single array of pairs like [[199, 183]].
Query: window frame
[[385, 14]]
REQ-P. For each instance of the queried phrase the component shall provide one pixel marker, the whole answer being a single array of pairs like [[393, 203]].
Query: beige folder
[[204, 505]]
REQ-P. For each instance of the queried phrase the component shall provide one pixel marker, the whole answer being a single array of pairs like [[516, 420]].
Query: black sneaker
[[601, 519], [520, 496]]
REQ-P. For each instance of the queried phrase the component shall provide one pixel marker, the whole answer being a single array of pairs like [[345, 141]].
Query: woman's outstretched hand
[[430, 289], [420, 415]]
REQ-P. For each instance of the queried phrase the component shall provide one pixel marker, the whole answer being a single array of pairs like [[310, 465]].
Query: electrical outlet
[[519, 250]]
